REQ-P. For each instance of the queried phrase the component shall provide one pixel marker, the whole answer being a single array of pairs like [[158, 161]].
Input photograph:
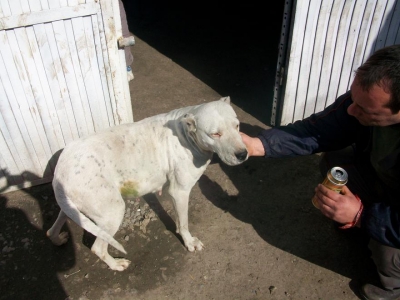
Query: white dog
[[94, 173]]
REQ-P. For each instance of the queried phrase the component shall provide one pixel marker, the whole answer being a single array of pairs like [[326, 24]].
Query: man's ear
[[226, 99], [189, 122]]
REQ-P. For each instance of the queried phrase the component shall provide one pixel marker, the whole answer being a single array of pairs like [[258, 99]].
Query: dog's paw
[[194, 245], [120, 264], [60, 239]]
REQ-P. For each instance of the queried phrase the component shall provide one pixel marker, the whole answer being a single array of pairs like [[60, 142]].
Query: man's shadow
[[29, 261], [274, 196]]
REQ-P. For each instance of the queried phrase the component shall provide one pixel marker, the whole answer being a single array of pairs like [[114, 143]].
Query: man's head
[[376, 89]]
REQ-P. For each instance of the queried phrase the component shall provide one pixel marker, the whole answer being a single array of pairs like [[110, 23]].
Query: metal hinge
[[126, 42]]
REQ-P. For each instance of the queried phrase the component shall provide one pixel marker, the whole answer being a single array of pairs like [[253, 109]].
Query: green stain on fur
[[129, 188]]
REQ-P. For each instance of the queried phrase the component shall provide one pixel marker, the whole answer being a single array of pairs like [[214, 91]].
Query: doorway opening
[[233, 49]]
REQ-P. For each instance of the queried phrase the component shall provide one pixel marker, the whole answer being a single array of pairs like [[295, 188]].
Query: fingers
[[331, 194], [325, 194], [244, 136], [253, 145], [340, 207], [328, 200], [324, 197]]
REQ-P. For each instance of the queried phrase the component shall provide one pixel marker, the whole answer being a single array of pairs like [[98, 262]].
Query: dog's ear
[[226, 99], [189, 121]]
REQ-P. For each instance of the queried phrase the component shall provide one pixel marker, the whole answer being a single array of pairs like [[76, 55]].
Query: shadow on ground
[[277, 203], [29, 261]]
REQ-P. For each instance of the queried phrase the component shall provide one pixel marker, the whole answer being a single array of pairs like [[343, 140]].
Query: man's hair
[[383, 68]]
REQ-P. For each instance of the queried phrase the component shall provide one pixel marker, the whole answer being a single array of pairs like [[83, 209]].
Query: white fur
[[137, 159]]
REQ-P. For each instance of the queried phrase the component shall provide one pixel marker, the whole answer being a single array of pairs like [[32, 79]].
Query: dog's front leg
[[181, 203]]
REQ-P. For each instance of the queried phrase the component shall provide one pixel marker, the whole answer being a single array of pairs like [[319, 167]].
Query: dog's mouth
[[236, 159]]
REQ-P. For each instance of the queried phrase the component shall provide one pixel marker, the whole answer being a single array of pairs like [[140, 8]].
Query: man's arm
[[331, 129]]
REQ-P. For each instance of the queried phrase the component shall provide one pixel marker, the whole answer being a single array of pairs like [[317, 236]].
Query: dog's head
[[214, 127]]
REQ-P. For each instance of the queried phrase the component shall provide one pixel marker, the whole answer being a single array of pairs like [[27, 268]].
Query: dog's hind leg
[[100, 248], [110, 220], [54, 232]]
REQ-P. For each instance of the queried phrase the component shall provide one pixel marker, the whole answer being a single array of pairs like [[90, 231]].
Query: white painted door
[[62, 77], [323, 43]]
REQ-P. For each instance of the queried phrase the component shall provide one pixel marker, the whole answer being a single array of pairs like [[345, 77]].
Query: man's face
[[369, 107]]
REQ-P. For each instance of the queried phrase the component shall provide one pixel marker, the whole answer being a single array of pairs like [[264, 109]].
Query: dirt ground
[[263, 238]]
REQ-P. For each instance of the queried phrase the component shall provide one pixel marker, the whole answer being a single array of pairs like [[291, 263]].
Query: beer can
[[335, 179]]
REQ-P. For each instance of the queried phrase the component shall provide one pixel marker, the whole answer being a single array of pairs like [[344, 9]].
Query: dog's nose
[[242, 155]]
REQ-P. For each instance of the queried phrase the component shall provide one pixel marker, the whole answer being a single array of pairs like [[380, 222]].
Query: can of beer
[[335, 179]]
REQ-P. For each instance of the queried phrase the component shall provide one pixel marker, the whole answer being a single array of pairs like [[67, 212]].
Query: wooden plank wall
[[329, 40], [61, 78]]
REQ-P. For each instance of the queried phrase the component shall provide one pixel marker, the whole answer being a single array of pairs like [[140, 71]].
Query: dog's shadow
[[155, 204], [30, 262]]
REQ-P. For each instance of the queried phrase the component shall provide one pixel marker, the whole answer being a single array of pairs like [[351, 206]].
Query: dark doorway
[[232, 48]]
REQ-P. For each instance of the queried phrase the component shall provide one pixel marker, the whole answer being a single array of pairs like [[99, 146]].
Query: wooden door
[[62, 77]]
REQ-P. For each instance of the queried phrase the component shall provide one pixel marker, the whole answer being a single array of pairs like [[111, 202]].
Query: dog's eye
[[216, 135]]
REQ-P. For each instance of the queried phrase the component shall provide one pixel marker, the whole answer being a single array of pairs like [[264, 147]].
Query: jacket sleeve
[[329, 130]]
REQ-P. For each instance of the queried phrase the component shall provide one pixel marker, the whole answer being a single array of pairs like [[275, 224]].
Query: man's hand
[[253, 145], [341, 208]]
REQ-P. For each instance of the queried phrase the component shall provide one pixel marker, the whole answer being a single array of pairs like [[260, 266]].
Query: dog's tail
[[79, 218]]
